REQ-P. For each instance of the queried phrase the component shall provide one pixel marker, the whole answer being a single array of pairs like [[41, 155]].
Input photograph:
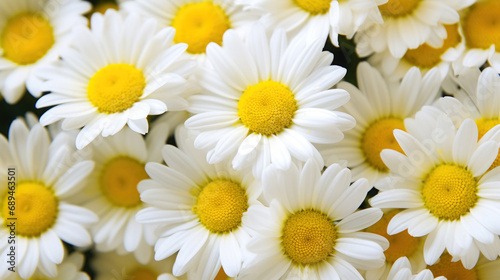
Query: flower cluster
[[219, 139]]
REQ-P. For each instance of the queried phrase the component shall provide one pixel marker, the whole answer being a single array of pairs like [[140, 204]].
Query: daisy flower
[[111, 266], [379, 107], [478, 99], [447, 267], [424, 56], [197, 22], [32, 33], [265, 101], [442, 182], [400, 245], [112, 192], [407, 25], [402, 270], [199, 210], [482, 34], [69, 269], [115, 74], [311, 228], [46, 179], [317, 19]]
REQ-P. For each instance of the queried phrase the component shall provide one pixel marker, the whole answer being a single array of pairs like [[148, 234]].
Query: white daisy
[[400, 245], [69, 269], [402, 270], [478, 99], [32, 33], [452, 269], [265, 101], [111, 266], [197, 22], [118, 73], [312, 19], [407, 25], [311, 229], [482, 34], [424, 56], [379, 107], [199, 209], [47, 177], [112, 188], [441, 181]]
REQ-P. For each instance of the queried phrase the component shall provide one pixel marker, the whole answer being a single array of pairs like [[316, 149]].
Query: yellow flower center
[[401, 244], [308, 237], [482, 25], [221, 275], [26, 38], [142, 273], [36, 209], [314, 7], [398, 8], [118, 181], [483, 126], [449, 191], [115, 88], [220, 206], [378, 136], [198, 24], [426, 56], [452, 270], [267, 107]]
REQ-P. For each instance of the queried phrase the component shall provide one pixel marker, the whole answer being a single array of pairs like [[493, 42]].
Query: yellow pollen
[[449, 191], [267, 107], [142, 273], [36, 209], [308, 237], [26, 38], [401, 244], [378, 136], [452, 270], [314, 7], [482, 25], [221, 275], [198, 24], [426, 56], [220, 206], [118, 181], [483, 126], [398, 8], [115, 88]]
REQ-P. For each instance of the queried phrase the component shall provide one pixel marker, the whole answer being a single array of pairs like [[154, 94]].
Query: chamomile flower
[[115, 74], [47, 177], [400, 245], [442, 182], [424, 57], [484, 270], [111, 266], [265, 101], [402, 270], [199, 210], [318, 18], [112, 189], [32, 33], [69, 269], [379, 107], [197, 22], [407, 25], [482, 34], [311, 229]]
